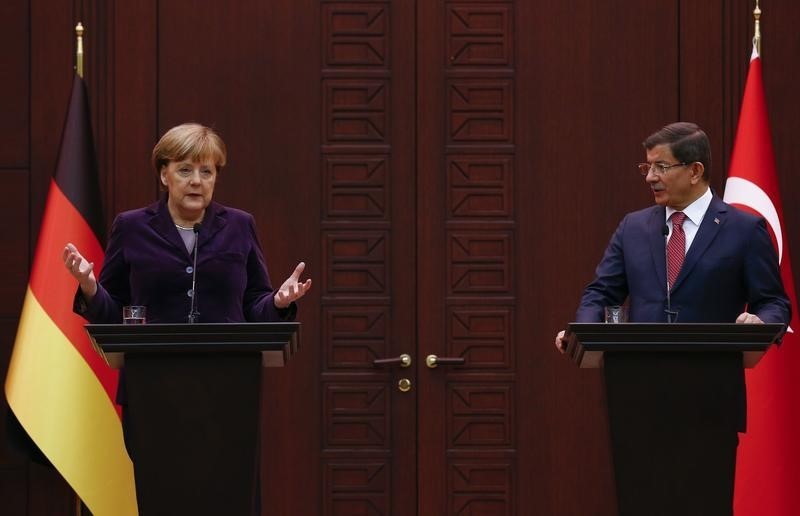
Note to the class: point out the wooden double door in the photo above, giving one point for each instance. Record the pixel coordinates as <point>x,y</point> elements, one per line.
<point>410,403</point>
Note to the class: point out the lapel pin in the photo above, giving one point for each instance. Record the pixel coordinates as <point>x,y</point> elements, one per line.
<point>716,220</point>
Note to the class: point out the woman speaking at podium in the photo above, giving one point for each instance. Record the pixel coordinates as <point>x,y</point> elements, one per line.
<point>150,259</point>
<point>190,422</point>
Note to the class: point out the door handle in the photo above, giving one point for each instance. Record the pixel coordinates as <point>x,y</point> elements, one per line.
<point>403,360</point>
<point>433,361</point>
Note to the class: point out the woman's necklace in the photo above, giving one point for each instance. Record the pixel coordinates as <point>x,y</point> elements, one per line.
<point>186,228</point>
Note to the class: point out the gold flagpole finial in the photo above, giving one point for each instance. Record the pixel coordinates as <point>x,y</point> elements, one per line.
<point>757,33</point>
<point>79,52</point>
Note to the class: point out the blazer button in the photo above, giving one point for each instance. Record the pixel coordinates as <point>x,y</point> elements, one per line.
<point>189,269</point>
<point>190,292</point>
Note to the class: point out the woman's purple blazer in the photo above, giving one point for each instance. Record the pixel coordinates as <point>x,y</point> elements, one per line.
<point>146,263</point>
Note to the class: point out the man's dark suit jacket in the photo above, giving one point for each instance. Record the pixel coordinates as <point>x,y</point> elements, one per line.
<point>730,266</point>
<point>146,263</point>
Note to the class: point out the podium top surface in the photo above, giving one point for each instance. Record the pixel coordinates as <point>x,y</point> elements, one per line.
<point>694,336</point>
<point>588,341</point>
<point>114,340</point>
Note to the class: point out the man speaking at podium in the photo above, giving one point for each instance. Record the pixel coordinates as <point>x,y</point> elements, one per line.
<point>691,258</point>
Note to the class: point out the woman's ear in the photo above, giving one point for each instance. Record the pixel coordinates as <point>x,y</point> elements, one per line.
<point>163,175</point>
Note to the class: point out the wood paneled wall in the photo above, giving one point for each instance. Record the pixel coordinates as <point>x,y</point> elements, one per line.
<point>596,77</point>
<point>35,77</point>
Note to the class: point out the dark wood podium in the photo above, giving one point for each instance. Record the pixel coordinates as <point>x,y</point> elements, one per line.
<point>588,342</point>
<point>191,400</point>
<point>676,400</point>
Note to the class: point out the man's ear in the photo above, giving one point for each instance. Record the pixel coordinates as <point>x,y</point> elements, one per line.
<point>697,170</point>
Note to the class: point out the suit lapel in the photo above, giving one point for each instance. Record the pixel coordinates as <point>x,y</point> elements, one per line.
<point>709,228</point>
<point>162,223</point>
<point>657,246</point>
<point>215,219</point>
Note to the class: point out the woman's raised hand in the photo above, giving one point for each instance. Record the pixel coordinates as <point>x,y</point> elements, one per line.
<point>292,289</point>
<point>81,269</point>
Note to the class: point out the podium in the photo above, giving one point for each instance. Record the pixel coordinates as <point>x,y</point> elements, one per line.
<point>676,401</point>
<point>587,342</point>
<point>191,409</point>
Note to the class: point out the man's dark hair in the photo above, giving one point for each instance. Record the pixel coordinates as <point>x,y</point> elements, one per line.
<point>687,142</point>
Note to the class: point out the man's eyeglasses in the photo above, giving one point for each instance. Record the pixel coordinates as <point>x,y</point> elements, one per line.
<point>658,169</point>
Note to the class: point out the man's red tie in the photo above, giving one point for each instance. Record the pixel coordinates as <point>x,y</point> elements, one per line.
<point>676,247</point>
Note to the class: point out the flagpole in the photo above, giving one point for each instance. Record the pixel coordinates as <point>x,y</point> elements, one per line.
<point>79,69</point>
<point>79,52</point>
<point>757,32</point>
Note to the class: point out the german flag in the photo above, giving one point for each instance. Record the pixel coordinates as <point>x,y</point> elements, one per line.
<point>58,387</point>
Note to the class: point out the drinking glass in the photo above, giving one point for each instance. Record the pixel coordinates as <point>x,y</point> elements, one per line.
<point>616,314</point>
<point>134,314</point>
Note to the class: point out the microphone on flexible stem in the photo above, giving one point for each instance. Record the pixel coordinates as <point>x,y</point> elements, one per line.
<point>193,313</point>
<point>672,315</point>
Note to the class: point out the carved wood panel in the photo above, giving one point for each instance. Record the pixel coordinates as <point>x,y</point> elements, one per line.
<point>356,186</point>
<point>356,415</point>
<point>479,262</point>
<point>479,35</point>
<point>480,110</point>
<point>355,335</point>
<point>481,415</point>
<point>363,232</point>
<point>472,175</point>
<point>358,487</point>
<point>355,35</point>
<point>356,262</point>
<point>483,335</point>
<point>480,186</point>
<point>355,110</point>
<point>481,487</point>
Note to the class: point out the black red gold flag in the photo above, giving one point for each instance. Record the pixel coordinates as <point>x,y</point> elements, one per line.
<point>58,387</point>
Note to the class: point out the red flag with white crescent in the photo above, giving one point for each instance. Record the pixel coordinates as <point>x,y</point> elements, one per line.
<point>768,463</point>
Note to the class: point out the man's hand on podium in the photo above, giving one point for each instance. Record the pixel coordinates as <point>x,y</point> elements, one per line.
<point>561,342</point>
<point>748,318</point>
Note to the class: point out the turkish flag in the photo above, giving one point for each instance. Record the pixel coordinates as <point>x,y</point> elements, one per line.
<point>768,464</point>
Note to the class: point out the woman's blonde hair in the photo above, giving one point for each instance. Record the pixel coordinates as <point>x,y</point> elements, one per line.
<point>193,142</point>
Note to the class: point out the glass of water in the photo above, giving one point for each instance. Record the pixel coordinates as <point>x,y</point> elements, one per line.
<point>616,314</point>
<point>134,314</point>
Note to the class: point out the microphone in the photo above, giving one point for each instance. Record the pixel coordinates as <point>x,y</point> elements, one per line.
<point>672,315</point>
<point>193,313</point>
